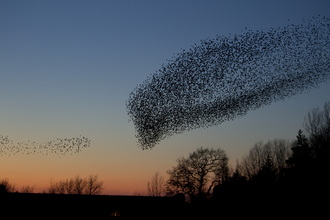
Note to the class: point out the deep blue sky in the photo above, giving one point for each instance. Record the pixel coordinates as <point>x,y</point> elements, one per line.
<point>67,68</point>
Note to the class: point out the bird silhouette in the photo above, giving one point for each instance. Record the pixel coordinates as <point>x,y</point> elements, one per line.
<point>224,78</point>
<point>58,146</point>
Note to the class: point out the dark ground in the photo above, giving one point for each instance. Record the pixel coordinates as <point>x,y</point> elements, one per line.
<point>258,206</point>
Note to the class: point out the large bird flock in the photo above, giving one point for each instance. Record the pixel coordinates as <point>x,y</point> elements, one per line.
<point>58,146</point>
<point>226,77</point>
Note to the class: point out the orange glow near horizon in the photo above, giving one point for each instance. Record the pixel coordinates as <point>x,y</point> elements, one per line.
<point>23,171</point>
<point>62,80</point>
<point>110,188</point>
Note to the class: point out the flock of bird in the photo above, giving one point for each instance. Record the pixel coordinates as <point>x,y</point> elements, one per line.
<point>58,146</point>
<point>224,78</point>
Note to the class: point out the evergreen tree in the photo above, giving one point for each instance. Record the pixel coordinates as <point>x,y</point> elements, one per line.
<point>302,152</point>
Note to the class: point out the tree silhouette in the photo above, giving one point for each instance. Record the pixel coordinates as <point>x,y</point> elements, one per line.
<point>199,173</point>
<point>27,189</point>
<point>77,185</point>
<point>6,186</point>
<point>317,124</point>
<point>156,187</point>
<point>225,78</point>
<point>93,186</point>
<point>302,153</point>
<point>314,160</point>
<point>267,175</point>
<point>266,159</point>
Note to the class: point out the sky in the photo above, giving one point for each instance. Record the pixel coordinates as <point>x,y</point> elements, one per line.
<point>67,68</point>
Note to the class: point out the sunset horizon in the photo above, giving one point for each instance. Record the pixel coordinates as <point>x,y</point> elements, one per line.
<point>69,67</point>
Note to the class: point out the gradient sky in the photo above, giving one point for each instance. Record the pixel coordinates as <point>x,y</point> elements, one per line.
<point>67,68</point>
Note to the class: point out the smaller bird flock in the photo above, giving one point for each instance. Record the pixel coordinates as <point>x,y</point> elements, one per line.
<point>224,78</point>
<point>58,146</point>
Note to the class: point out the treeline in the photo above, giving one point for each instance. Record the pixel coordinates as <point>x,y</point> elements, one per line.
<point>275,176</point>
<point>7,187</point>
<point>299,168</point>
<point>77,185</point>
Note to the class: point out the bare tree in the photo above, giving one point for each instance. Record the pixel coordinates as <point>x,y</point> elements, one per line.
<point>139,193</point>
<point>252,163</point>
<point>69,186</point>
<point>52,189</point>
<point>261,156</point>
<point>77,185</point>
<point>156,187</point>
<point>317,124</point>
<point>6,186</point>
<point>197,175</point>
<point>318,120</point>
<point>93,186</point>
<point>27,189</point>
<point>56,187</point>
<point>281,151</point>
<point>10,188</point>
